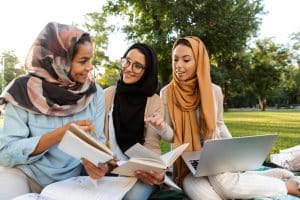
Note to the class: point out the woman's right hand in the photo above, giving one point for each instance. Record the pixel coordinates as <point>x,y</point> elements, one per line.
<point>55,136</point>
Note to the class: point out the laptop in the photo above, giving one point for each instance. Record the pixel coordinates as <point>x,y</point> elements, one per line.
<point>229,155</point>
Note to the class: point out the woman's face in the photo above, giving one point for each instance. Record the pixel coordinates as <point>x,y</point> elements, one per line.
<point>81,64</point>
<point>183,62</point>
<point>134,57</point>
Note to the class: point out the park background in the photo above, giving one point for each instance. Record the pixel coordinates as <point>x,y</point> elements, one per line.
<point>260,77</point>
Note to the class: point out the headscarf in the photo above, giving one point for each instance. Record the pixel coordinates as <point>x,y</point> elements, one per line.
<point>48,88</point>
<point>184,98</point>
<point>130,101</point>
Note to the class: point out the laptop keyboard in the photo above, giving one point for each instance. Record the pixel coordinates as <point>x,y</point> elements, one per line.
<point>194,163</point>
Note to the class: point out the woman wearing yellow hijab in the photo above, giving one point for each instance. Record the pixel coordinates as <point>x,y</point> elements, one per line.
<point>194,109</point>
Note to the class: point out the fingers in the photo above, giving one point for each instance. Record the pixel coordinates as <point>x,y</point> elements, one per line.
<point>150,178</point>
<point>155,120</point>
<point>95,172</point>
<point>86,124</point>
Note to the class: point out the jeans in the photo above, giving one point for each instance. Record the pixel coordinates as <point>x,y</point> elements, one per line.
<point>140,191</point>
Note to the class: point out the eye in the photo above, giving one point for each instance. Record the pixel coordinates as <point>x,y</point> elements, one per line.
<point>186,61</point>
<point>138,66</point>
<point>83,61</point>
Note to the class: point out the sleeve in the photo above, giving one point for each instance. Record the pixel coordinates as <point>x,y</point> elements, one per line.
<point>153,135</point>
<point>221,130</point>
<point>16,143</point>
<point>99,114</point>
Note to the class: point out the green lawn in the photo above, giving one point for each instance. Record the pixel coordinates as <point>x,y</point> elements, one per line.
<point>286,123</point>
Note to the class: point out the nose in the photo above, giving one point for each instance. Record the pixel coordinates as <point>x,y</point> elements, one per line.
<point>178,65</point>
<point>89,66</point>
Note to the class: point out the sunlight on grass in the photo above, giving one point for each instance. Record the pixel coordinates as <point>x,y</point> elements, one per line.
<point>286,123</point>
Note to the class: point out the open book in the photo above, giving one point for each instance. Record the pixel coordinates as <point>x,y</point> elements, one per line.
<point>144,159</point>
<point>81,144</point>
<point>78,188</point>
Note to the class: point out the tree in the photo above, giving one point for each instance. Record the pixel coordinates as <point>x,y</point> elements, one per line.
<point>111,74</point>
<point>224,26</point>
<point>295,37</point>
<point>10,68</point>
<point>268,62</point>
<point>95,24</point>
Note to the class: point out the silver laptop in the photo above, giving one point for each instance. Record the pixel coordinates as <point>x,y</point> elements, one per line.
<point>229,155</point>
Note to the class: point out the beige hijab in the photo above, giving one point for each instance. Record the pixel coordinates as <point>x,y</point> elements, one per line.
<point>184,97</point>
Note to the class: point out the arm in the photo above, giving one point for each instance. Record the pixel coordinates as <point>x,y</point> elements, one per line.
<point>17,144</point>
<point>153,130</point>
<point>221,129</point>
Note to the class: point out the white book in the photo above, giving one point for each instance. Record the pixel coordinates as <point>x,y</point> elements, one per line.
<point>144,159</point>
<point>80,144</point>
<point>81,187</point>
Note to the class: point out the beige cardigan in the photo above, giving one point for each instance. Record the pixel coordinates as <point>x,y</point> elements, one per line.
<point>221,130</point>
<point>152,135</point>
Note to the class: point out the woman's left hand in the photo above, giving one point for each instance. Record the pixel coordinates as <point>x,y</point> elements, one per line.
<point>95,172</point>
<point>150,178</point>
<point>156,120</point>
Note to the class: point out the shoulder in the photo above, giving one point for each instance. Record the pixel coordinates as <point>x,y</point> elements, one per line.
<point>216,88</point>
<point>217,91</point>
<point>163,93</point>
<point>99,92</point>
<point>110,90</point>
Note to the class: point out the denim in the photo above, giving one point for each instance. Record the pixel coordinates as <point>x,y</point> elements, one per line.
<point>22,131</point>
<point>140,191</point>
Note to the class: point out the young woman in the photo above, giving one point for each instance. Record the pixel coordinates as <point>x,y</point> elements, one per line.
<point>193,107</point>
<point>57,91</point>
<point>134,113</point>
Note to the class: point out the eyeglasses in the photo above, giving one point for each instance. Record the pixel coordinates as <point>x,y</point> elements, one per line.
<point>136,67</point>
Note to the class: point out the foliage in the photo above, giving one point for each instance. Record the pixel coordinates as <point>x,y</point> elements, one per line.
<point>268,62</point>
<point>159,23</point>
<point>95,24</point>
<point>295,37</point>
<point>111,75</point>
<point>11,71</point>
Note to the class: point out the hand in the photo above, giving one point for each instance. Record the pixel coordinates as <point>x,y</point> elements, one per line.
<point>156,120</point>
<point>85,125</point>
<point>152,178</point>
<point>95,172</point>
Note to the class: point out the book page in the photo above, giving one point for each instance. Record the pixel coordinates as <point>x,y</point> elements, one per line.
<point>81,187</point>
<point>78,148</point>
<point>127,168</point>
<point>32,196</point>
<point>88,138</point>
<point>139,151</point>
<point>170,157</point>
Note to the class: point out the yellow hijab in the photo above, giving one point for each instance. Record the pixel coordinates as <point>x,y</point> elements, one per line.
<point>184,97</point>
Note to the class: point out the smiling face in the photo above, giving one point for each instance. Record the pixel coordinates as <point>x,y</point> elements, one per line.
<point>135,56</point>
<point>183,62</point>
<point>81,64</point>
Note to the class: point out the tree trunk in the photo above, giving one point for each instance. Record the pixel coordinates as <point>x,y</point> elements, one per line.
<point>262,103</point>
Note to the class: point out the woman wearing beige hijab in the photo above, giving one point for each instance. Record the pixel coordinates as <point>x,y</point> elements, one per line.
<point>194,109</point>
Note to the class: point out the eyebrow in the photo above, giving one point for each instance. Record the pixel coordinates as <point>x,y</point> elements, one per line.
<point>134,61</point>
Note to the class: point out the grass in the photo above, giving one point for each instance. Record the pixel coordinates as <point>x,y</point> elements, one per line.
<point>286,123</point>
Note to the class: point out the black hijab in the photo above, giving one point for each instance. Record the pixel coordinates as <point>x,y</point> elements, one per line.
<point>130,101</point>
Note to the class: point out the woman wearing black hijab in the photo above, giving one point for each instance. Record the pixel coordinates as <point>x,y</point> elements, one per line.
<point>134,113</point>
